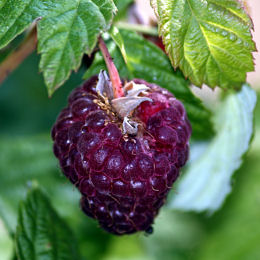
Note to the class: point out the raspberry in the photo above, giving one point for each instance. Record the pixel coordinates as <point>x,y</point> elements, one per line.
<point>123,163</point>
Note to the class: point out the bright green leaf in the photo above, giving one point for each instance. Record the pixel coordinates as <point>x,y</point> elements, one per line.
<point>69,31</point>
<point>207,181</point>
<point>210,40</point>
<point>145,60</point>
<point>41,233</point>
<point>17,15</point>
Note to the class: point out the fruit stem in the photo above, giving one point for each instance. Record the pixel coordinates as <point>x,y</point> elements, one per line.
<point>112,70</point>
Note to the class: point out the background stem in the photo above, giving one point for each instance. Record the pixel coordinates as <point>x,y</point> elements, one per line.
<point>14,59</point>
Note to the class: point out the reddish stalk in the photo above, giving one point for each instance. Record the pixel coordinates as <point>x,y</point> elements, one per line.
<point>112,70</point>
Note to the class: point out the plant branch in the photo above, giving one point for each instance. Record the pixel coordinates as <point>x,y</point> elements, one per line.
<point>14,59</point>
<point>112,70</point>
<point>138,28</point>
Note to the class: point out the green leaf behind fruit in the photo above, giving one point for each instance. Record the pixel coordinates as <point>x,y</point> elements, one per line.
<point>207,181</point>
<point>209,40</point>
<point>41,233</point>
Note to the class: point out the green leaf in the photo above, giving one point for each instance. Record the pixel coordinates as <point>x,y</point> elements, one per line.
<point>207,181</point>
<point>41,233</point>
<point>27,159</point>
<point>66,30</point>
<point>209,40</point>
<point>117,38</point>
<point>70,30</point>
<point>146,61</point>
<point>17,15</point>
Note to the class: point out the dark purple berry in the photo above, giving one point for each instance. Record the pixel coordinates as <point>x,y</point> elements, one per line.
<point>124,178</point>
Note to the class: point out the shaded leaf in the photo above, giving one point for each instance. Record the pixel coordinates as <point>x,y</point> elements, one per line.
<point>146,61</point>
<point>209,40</point>
<point>207,181</point>
<point>41,233</point>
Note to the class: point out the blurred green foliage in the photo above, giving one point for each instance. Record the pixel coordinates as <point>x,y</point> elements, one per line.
<point>25,108</point>
<point>26,117</point>
<point>122,8</point>
<point>6,245</point>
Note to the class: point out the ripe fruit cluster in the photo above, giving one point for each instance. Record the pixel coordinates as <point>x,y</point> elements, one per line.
<point>124,179</point>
